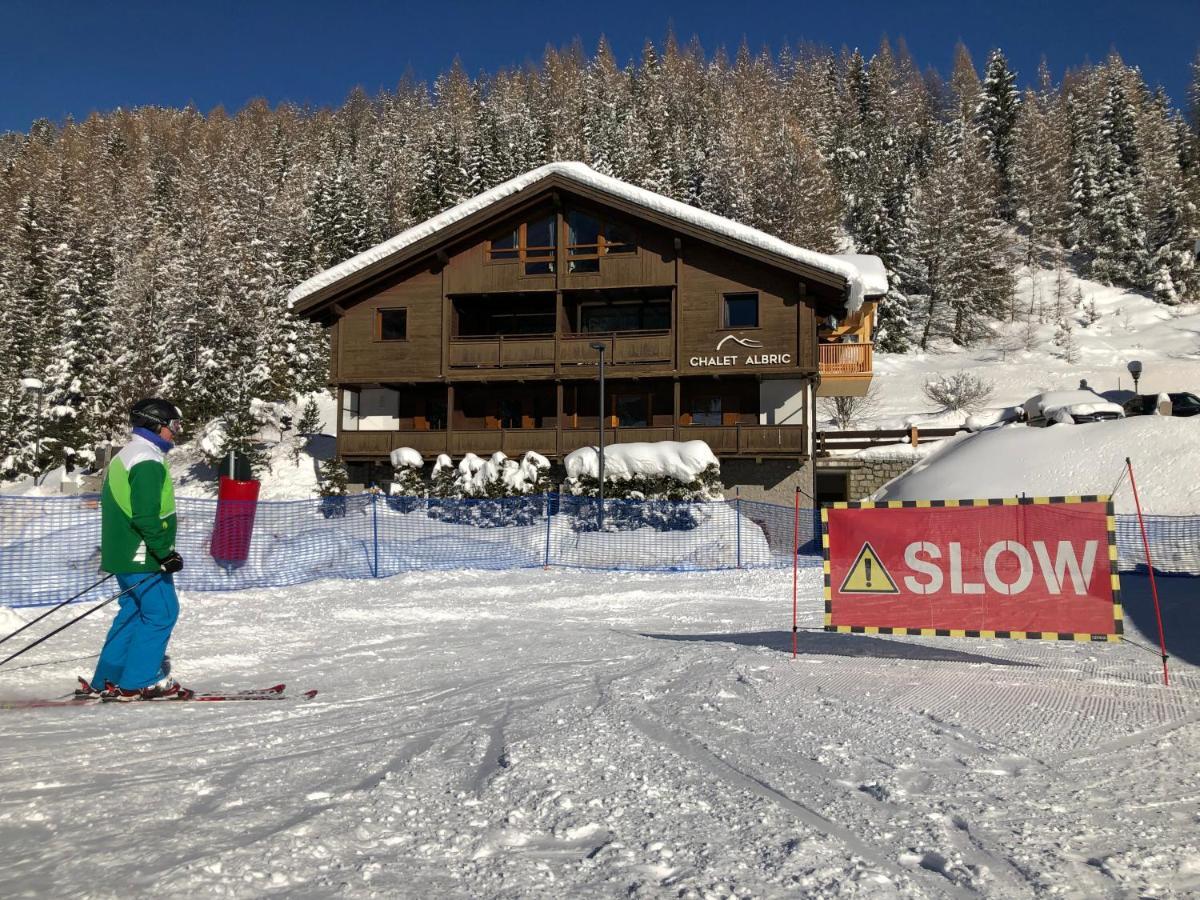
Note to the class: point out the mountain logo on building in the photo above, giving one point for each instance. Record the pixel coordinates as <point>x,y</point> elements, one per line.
<point>745,342</point>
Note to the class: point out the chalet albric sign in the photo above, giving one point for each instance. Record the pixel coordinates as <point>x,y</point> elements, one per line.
<point>723,357</point>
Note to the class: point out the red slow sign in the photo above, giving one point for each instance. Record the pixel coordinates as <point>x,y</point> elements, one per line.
<point>1000,568</point>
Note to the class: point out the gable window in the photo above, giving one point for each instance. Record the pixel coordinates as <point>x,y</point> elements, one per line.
<point>530,243</point>
<point>391,324</point>
<point>590,237</point>
<point>739,311</point>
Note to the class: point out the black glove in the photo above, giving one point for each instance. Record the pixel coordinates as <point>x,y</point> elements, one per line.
<point>171,563</point>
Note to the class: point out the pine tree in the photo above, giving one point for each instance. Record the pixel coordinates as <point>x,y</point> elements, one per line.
<point>997,112</point>
<point>1119,222</point>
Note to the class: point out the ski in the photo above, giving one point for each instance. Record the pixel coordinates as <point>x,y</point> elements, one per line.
<point>275,692</point>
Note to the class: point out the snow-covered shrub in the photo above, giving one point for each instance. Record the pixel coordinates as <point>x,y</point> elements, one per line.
<point>959,390</point>
<point>488,492</point>
<point>442,485</point>
<point>652,484</point>
<point>407,490</point>
<point>333,485</point>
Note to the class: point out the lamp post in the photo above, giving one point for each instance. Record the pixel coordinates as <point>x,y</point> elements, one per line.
<point>1135,369</point>
<point>599,348</point>
<point>33,385</point>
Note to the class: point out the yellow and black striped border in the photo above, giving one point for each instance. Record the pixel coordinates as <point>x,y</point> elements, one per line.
<point>1110,519</point>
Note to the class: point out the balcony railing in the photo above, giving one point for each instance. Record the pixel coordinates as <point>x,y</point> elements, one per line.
<point>845,359</point>
<point>620,347</point>
<point>727,440</point>
<point>527,350</point>
<point>500,350</point>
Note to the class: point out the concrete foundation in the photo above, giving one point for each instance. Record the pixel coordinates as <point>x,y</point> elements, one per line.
<point>769,480</point>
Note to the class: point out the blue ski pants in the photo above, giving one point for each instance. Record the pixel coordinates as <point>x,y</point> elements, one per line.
<point>133,652</point>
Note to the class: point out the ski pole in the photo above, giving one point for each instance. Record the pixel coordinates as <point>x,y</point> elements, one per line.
<point>58,607</point>
<point>69,624</point>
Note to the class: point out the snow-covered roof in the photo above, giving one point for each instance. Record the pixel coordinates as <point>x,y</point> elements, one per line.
<point>864,275</point>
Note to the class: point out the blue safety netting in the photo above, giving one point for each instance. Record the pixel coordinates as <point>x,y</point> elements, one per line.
<point>50,547</point>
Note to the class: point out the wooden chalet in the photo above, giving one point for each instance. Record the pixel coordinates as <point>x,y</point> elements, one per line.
<point>474,331</point>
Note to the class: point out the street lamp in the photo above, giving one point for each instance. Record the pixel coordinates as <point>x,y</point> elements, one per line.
<point>33,385</point>
<point>600,348</point>
<point>1135,369</point>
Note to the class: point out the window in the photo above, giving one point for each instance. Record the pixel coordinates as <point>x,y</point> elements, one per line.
<point>653,316</point>
<point>532,243</point>
<point>370,409</point>
<point>589,238</point>
<point>741,311</point>
<point>391,325</point>
<point>706,410</point>
<point>631,410</point>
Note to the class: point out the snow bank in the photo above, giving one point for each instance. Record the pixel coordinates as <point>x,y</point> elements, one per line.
<point>864,274</point>
<point>1041,462</point>
<point>680,460</point>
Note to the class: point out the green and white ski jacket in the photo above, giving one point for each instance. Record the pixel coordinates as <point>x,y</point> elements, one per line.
<point>137,510</point>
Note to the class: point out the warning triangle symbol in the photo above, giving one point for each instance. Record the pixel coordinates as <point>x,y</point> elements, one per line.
<point>868,575</point>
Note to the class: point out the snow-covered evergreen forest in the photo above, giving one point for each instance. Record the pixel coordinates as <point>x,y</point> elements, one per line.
<point>148,251</point>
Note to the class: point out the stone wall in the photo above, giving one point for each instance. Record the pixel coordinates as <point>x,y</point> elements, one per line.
<point>865,476</point>
<point>769,480</point>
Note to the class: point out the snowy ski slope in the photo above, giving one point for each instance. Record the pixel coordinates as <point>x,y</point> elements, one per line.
<point>566,734</point>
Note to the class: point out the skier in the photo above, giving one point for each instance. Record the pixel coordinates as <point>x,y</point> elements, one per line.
<point>137,544</point>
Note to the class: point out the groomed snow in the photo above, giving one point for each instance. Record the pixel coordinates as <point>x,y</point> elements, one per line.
<point>863,276</point>
<point>1065,460</point>
<point>594,735</point>
<point>680,460</point>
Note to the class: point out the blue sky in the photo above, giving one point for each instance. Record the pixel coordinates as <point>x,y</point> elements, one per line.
<point>61,58</point>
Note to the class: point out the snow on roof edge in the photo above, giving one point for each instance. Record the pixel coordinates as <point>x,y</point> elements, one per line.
<point>863,273</point>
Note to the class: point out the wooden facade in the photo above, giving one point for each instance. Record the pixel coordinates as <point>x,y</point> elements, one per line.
<point>481,337</point>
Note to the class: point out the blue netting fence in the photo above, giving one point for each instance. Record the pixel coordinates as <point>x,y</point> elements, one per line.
<point>50,547</point>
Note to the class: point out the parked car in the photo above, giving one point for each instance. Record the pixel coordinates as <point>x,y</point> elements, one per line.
<point>1182,404</point>
<point>1070,407</point>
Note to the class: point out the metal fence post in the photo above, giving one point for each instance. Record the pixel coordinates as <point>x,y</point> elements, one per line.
<point>546,564</point>
<point>375,534</point>
<point>737,506</point>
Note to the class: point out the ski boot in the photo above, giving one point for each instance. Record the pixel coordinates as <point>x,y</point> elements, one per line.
<point>85,691</point>
<point>167,689</point>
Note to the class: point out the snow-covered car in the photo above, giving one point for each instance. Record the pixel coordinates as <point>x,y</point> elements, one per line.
<point>1070,407</point>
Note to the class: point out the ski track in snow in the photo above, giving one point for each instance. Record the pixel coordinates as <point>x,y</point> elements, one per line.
<point>585,734</point>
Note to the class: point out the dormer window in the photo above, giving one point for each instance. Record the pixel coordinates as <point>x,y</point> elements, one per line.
<point>530,243</point>
<point>590,237</point>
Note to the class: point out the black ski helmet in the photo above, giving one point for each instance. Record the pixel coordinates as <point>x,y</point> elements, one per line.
<point>155,413</point>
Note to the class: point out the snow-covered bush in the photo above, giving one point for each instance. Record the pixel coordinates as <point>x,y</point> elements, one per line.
<point>408,489</point>
<point>652,484</point>
<point>444,476</point>
<point>489,492</point>
<point>334,483</point>
<point>959,390</point>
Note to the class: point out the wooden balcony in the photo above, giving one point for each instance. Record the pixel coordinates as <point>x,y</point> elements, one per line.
<point>788,441</point>
<point>621,348</point>
<point>521,351</point>
<point>500,351</point>
<point>845,369</point>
